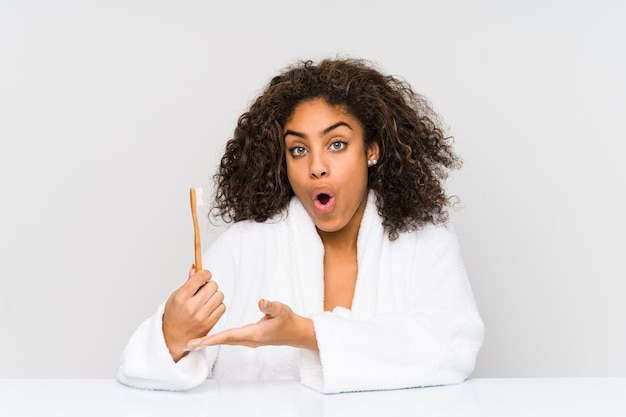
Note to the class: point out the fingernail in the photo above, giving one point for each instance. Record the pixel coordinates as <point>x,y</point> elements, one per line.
<point>266,304</point>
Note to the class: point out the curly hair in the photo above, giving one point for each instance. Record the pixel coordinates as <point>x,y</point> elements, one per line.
<point>415,154</point>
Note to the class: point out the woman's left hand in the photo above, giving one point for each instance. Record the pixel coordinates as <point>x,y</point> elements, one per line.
<point>279,326</point>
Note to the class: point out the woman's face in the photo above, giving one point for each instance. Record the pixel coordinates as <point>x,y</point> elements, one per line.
<point>327,163</point>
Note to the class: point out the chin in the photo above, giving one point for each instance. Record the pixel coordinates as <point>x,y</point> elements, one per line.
<point>329,227</point>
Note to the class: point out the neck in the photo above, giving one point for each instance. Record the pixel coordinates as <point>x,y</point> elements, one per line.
<point>338,240</point>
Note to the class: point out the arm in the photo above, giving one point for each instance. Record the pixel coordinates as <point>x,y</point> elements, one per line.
<point>391,351</point>
<point>146,362</point>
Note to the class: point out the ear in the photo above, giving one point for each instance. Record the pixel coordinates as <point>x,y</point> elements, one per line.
<point>373,151</point>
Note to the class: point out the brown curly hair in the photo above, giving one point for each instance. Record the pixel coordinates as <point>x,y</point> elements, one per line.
<point>415,154</point>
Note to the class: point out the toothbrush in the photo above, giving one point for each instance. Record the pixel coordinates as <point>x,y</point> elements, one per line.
<point>195,196</point>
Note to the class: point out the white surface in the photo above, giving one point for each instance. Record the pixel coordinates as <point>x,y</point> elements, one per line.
<point>479,397</point>
<point>111,110</point>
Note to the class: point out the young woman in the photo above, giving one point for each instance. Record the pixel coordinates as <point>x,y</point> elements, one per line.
<point>340,267</point>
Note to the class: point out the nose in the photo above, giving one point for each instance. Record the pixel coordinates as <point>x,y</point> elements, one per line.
<point>319,167</point>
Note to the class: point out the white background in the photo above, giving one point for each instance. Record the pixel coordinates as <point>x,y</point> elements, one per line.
<point>111,110</point>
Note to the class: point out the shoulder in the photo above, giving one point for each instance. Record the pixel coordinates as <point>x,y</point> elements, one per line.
<point>430,239</point>
<point>430,233</point>
<point>251,231</point>
<point>243,241</point>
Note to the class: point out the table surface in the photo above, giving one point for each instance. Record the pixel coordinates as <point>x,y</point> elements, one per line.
<point>508,397</point>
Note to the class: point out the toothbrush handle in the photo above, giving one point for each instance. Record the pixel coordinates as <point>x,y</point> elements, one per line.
<point>196,230</point>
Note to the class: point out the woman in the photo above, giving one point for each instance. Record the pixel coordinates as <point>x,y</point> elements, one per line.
<point>334,184</point>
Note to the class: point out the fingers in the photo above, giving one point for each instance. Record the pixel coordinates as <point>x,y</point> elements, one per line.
<point>208,299</point>
<point>200,294</point>
<point>195,282</point>
<point>211,340</point>
<point>243,336</point>
<point>216,314</point>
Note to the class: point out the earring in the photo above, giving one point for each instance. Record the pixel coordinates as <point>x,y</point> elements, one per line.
<point>372,162</point>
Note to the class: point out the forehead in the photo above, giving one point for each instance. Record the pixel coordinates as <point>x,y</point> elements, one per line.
<point>316,112</point>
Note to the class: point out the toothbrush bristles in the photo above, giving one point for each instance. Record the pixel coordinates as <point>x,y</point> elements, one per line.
<point>199,197</point>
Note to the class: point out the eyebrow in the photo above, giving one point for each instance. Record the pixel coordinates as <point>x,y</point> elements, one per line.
<point>324,132</point>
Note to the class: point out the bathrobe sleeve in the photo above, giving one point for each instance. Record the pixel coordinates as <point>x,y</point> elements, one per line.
<point>432,339</point>
<point>146,361</point>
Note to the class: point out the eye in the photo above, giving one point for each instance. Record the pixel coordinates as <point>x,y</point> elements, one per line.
<point>297,150</point>
<point>338,145</point>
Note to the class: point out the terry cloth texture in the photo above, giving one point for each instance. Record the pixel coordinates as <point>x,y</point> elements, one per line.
<point>413,320</point>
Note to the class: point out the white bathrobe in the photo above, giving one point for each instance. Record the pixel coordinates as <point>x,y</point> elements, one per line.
<point>413,320</point>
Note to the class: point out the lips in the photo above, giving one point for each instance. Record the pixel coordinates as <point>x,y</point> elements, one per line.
<point>323,200</point>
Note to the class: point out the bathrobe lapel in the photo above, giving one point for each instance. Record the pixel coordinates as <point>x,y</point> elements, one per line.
<point>370,248</point>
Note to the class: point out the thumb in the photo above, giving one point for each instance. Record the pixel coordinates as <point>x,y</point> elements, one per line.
<point>192,271</point>
<point>267,307</point>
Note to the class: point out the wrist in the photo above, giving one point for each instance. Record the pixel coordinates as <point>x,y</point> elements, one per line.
<point>308,338</point>
<point>176,349</point>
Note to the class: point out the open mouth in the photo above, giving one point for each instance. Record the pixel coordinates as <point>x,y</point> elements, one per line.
<point>324,202</point>
<point>323,198</point>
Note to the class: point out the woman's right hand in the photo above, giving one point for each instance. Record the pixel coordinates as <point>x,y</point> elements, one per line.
<point>191,311</point>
